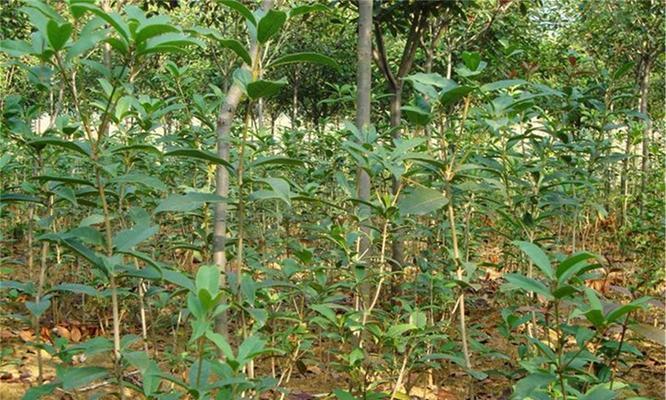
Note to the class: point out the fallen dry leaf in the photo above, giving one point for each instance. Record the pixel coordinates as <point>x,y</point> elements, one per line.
<point>26,335</point>
<point>75,334</point>
<point>62,331</point>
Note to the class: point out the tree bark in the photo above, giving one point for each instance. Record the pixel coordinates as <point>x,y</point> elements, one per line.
<point>223,130</point>
<point>395,83</point>
<point>645,160</point>
<point>363,103</point>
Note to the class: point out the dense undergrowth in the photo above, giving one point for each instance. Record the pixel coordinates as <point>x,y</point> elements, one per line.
<point>162,240</point>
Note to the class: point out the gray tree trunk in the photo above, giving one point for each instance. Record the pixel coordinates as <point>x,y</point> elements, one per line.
<point>644,92</point>
<point>224,123</point>
<point>363,103</point>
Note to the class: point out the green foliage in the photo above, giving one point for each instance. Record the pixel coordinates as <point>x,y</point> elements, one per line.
<point>519,142</point>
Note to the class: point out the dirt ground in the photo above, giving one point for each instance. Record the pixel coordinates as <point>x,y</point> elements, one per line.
<point>18,368</point>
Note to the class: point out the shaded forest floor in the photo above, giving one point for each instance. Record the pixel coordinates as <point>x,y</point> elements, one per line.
<point>18,370</point>
<point>646,374</point>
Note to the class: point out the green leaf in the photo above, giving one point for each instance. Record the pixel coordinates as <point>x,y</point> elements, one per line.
<point>522,282</point>
<point>471,60</point>
<point>325,310</point>
<point>619,312</point>
<point>419,319</point>
<point>421,200</point>
<point>595,314</point>
<point>187,202</point>
<point>178,278</point>
<point>264,88</point>
<point>152,29</point>
<point>416,115</point>
<point>15,48</point>
<point>221,344</point>
<point>304,57</point>
<point>75,288</point>
<point>66,193</point>
<point>18,197</point>
<point>72,377</point>
<point>306,9</point>
<point>236,46</point>
<point>83,251</point>
<point>63,179</point>
<point>599,392</point>
<point>38,308</point>
<point>538,257</point>
<point>397,330</point>
<point>169,42</point>
<point>199,155</point>
<point>343,395</point>
<point>82,148</point>
<point>241,9</point>
<point>528,385</point>
<point>58,34</point>
<point>450,96</point>
<point>145,180</point>
<point>275,160</point>
<point>571,266</point>
<point>281,189</point>
<point>503,84</point>
<point>269,25</point>
<point>112,18</point>
<point>37,392</point>
<point>250,348</point>
<point>128,238</point>
<point>431,79</point>
<point>208,279</point>
<point>143,148</point>
<point>248,289</point>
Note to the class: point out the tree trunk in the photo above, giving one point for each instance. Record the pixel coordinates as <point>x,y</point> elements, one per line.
<point>397,245</point>
<point>645,161</point>
<point>223,130</point>
<point>363,99</point>
<point>294,103</point>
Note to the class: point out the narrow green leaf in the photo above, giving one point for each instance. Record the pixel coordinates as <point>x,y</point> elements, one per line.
<point>221,344</point>
<point>304,57</point>
<point>187,202</point>
<point>81,148</point>
<point>112,18</point>
<point>269,25</point>
<point>275,160</point>
<point>538,257</point>
<point>128,238</point>
<point>421,200</point>
<point>18,197</point>
<point>503,84</point>
<point>152,29</point>
<point>73,377</point>
<point>15,48</point>
<point>531,383</point>
<point>264,88</point>
<point>236,46</point>
<point>325,310</point>
<point>599,392</point>
<point>571,266</point>
<point>241,9</point>
<point>75,288</point>
<point>37,392</point>
<point>199,155</point>
<point>522,282</point>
